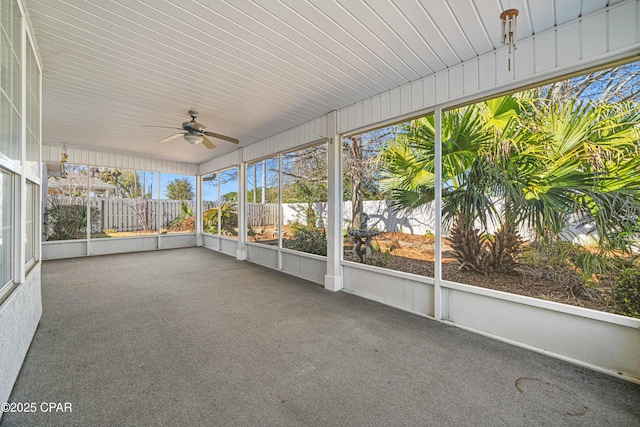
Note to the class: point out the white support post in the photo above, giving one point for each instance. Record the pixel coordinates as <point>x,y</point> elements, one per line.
<point>263,198</point>
<point>20,212</point>
<point>241,253</point>
<point>219,205</point>
<point>333,278</point>
<point>437,291</point>
<point>255,183</point>
<point>280,211</point>
<point>88,208</point>
<point>198,211</point>
<point>159,213</point>
<point>20,187</point>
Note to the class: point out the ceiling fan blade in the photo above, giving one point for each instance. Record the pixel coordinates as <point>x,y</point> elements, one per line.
<point>172,137</point>
<point>225,138</point>
<point>207,143</point>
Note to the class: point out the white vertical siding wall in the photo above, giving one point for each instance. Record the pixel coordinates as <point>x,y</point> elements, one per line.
<point>110,160</point>
<point>306,133</point>
<point>223,162</point>
<point>601,37</point>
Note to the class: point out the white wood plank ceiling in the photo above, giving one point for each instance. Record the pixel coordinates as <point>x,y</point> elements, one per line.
<point>252,68</point>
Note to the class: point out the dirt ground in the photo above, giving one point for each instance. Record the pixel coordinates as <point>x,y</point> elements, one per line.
<point>414,254</point>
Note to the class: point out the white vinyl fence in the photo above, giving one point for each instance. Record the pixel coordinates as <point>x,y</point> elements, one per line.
<point>140,214</point>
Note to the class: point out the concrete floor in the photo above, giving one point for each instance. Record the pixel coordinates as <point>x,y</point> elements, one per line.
<point>191,337</point>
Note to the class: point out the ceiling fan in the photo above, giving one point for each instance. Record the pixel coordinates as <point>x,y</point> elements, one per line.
<point>195,133</point>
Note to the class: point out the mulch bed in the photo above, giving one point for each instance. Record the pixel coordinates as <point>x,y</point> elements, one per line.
<point>414,254</point>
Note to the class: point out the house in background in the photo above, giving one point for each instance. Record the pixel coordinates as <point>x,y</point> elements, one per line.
<point>74,184</point>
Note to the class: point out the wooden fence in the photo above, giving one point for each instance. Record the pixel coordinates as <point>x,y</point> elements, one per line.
<point>137,214</point>
<point>141,214</point>
<point>258,214</point>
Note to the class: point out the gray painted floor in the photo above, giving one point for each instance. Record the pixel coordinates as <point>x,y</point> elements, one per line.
<point>191,337</point>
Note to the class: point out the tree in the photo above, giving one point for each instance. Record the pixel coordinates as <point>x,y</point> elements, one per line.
<point>180,189</point>
<point>361,168</point>
<point>304,175</point>
<point>589,156</point>
<point>231,196</point>
<point>546,161</point>
<point>228,216</point>
<point>271,195</point>
<point>308,165</point>
<point>618,84</point>
<point>127,183</point>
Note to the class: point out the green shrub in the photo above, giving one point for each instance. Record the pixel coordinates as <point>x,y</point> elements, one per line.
<point>307,238</point>
<point>228,219</point>
<point>68,222</point>
<point>625,295</point>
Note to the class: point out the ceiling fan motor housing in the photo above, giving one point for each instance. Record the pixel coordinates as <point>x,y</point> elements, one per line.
<point>193,126</point>
<point>195,133</point>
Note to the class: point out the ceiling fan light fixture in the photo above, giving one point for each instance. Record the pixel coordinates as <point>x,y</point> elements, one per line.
<point>193,139</point>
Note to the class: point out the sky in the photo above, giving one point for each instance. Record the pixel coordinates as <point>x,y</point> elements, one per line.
<point>149,180</point>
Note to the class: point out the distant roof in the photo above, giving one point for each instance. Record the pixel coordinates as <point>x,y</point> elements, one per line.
<point>78,181</point>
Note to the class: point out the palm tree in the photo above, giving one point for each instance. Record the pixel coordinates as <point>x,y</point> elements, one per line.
<point>228,219</point>
<point>473,146</point>
<point>546,162</point>
<point>581,160</point>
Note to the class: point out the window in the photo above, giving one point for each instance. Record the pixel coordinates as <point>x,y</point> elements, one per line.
<point>229,203</point>
<point>32,226</point>
<point>262,201</point>
<point>210,196</point>
<point>539,192</point>
<point>10,81</point>
<point>32,114</point>
<point>65,216</point>
<point>304,200</point>
<point>6,233</point>
<point>178,202</point>
<point>121,201</point>
<point>386,224</point>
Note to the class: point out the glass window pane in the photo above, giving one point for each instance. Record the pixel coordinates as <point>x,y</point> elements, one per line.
<point>210,195</point>
<point>541,192</point>
<point>388,198</point>
<point>65,216</point>
<point>10,81</point>
<point>6,233</point>
<point>178,203</point>
<point>32,114</point>
<point>262,201</point>
<point>229,203</point>
<point>121,202</point>
<point>10,130</point>
<point>32,228</point>
<point>304,200</point>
